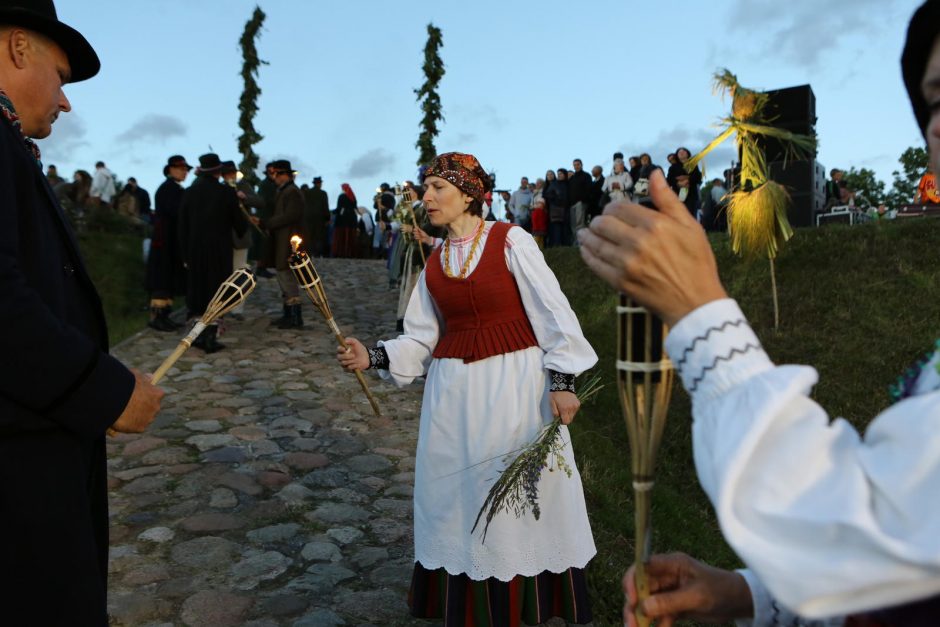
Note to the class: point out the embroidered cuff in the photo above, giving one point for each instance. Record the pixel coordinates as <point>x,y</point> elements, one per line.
<point>378,358</point>
<point>561,382</point>
<point>713,348</point>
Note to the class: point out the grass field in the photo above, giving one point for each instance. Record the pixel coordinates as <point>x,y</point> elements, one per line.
<point>115,262</point>
<point>858,303</point>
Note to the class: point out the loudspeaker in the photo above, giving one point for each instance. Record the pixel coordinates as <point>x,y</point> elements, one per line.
<point>792,109</point>
<point>806,182</point>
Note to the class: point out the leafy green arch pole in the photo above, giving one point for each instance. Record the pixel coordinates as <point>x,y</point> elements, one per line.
<point>427,95</point>
<point>248,104</point>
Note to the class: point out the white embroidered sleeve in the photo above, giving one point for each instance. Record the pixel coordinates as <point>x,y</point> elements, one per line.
<point>830,522</point>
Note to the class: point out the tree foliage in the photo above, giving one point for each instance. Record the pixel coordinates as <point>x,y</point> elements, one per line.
<point>913,165</point>
<point>248,104</point>
<point>430,100</point>
<point>869,191</point>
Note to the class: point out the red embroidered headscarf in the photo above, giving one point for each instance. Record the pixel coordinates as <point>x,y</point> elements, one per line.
<point>463,171</point>
<point>349,192</point>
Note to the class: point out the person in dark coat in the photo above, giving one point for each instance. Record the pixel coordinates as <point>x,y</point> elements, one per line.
<point>317,219</point>
<point>261,250</point>
<point>557,197</point>
<point>685,184</point>
<point>346,223</point>
<point>60,390</point>
<point>285,222</point>
<point>209,214</point>
<point>166,275</point>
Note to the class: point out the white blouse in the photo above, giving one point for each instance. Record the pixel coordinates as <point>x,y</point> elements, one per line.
<point>831,522</point>
<point>555,324</point>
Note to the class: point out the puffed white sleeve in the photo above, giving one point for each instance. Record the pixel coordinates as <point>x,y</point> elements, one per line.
<point>409,355</point>
<point>831,522</point>
<point>555,324</point>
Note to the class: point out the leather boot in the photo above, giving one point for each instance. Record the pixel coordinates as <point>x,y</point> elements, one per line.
<point>165,312</point>
<point>210,343</point>
<point>294,319</point>
<point>158,321</point>
<point>284,319</point>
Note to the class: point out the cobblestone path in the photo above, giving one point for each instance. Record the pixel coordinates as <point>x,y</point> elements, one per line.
<point>266,492</point>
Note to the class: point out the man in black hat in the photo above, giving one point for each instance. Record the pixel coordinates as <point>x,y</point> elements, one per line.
<point>209,215</point>
<point>285,222</point>
<point>60,390</point>
<point>317,219</point>
<point>166,275</point>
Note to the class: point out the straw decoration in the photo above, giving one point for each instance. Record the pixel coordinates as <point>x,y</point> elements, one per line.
<point>309,280</point>
<point>644,379</point>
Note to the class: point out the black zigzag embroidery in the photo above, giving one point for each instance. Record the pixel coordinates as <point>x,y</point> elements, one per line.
<point>734,351</point>
<point>702,338</point>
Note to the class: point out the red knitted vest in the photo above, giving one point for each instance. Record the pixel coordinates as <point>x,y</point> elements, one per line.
<point>483,314</point>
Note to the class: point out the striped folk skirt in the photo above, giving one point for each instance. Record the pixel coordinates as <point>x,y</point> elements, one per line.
<point>463,602</point>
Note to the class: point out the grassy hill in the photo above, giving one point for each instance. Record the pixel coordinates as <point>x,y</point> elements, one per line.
<point>115,263</point>
<point>858,303</point>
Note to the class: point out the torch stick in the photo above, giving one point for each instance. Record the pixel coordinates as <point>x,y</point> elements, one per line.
<point>248,217</point>
<point>644,379</point>
<point>233,291</point>
<point>309,280</point>
<point>406,198</point>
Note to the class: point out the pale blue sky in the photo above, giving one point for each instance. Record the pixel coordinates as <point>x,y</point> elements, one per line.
<point>529,85</point>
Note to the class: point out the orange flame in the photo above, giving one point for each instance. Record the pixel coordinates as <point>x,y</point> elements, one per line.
<point>295,243</point>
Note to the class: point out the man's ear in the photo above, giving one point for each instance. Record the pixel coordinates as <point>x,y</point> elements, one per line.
<point>19,45</point>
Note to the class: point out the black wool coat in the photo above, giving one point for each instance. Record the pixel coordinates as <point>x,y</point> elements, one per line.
<point>166,275</point>
<point>59,392</point>
<point>209,214</point>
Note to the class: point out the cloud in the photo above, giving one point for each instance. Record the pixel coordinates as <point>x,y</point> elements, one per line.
<point>68,134</point>
<point>802,32</point>
<point>153,127</point>
<point>371,164</point>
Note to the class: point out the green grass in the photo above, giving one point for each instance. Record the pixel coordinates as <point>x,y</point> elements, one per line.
<point>115,262</point>
<point>858,303</point>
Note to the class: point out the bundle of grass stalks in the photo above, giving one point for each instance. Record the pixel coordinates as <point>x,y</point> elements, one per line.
<point>757,220</point>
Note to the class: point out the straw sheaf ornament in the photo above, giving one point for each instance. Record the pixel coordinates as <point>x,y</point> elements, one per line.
<point>645,377</point>
<point>308,279</point>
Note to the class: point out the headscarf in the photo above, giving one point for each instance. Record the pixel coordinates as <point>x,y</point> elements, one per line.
<point>463,171</point>
<point>349,192</point>
<point>921,37</point>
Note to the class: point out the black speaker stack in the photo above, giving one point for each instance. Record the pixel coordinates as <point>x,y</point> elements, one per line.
<point>794,109</point>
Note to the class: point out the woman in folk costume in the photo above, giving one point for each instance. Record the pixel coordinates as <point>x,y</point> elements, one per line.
<point>499,343</point>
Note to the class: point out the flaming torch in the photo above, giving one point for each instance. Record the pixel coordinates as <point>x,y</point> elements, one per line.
<point>407,201</point>
<point>233,291</point>
<point>644,379</point>
<point>310,281</point>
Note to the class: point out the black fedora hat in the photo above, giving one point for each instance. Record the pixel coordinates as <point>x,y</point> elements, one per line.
<point>40,16</point>
<point>209,162</point>
<point>282,166</point>
<point>174,161</point>
<point>228,167</point>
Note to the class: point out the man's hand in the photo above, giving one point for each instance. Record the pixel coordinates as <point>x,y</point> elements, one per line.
<point>142,407</point>
<point>355,357</point>
<point>564,405</point>
<point>685,588</point>
<point>255,220</point>
<point>661,258</point>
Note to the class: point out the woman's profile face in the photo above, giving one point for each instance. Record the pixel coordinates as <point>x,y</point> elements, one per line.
<point>443,201</point>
